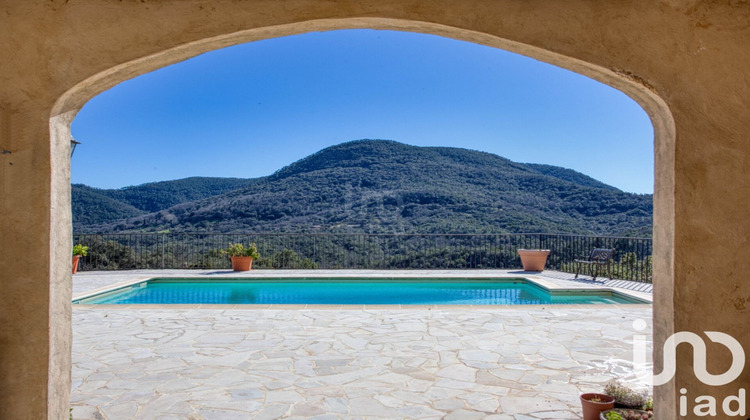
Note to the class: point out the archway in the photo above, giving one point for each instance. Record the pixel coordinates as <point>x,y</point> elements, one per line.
<point>657,110</point>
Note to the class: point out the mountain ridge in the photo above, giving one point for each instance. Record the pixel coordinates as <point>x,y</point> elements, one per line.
<point>383,186</point>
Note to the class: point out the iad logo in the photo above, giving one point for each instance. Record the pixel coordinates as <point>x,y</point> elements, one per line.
<point>705,405</point>
<point>699,356</point>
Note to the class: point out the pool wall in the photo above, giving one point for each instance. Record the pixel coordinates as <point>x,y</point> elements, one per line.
<point>537,282</point>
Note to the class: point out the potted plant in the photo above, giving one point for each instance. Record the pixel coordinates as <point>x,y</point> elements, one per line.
<point>626,414</point>
<point>594,404</point>
<point>241,256</point>
<point>533,259</point>
<point>78,252</point>
<point>629,404</point>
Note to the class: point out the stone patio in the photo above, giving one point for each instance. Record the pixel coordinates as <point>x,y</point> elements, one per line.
<point>426,362</point>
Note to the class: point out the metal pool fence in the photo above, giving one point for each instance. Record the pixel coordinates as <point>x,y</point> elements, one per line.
<point>632,258</point>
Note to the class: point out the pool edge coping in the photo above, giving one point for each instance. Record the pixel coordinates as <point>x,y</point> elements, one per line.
<point>531,278</point>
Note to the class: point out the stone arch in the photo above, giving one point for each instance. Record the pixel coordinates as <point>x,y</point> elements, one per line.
<point>73,100</point>
<point>680,62</point>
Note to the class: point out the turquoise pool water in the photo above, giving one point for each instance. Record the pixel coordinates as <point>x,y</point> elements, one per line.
<point>347,291</point>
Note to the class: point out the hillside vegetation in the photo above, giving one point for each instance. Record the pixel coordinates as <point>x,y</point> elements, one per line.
<point>93,205</point>
<point>375,186</point>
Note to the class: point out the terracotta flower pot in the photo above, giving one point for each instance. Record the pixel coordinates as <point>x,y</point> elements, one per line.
<point>533,259</point>
<point>592,409</point>
<point>242,263</point>
<point>76,258</point>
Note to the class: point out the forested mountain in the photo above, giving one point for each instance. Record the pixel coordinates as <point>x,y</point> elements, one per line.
<point>94,205</point>
<point>383,186</point>
<point>566,174</point>
<point>91,206</point>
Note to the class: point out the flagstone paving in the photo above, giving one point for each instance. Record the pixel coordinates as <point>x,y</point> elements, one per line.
<point>509,362</point>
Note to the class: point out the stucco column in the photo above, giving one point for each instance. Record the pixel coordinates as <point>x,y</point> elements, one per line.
<point>35,332</point>
<point>711,286</point>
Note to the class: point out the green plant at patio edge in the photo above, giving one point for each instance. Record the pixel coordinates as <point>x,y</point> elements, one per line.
<point>239,250</point>
<point>81,250</point>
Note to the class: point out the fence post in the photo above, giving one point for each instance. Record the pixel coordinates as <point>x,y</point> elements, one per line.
<point>162,250</point>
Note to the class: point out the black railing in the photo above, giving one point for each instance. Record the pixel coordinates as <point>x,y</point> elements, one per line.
<point>632,258</point>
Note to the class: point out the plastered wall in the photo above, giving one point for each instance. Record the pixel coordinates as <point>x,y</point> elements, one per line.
<point>685,62</point>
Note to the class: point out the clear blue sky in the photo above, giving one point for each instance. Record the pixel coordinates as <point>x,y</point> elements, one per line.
<point>248,110</point>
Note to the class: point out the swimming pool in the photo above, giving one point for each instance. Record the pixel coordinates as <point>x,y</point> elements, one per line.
<point>356,291</point>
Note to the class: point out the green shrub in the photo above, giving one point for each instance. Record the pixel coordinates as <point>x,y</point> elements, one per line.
<point>81,250</point>
<point>239,250</point>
